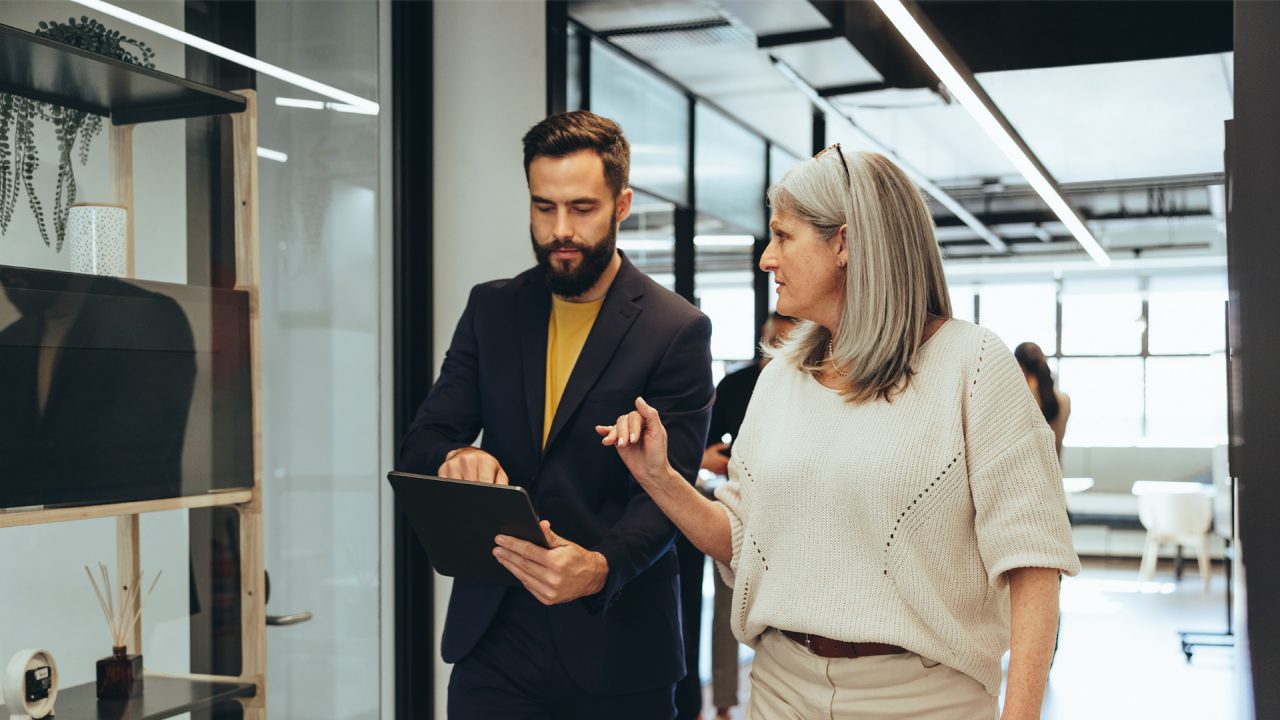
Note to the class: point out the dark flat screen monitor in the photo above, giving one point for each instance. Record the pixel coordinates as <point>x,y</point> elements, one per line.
<point>114,390</point>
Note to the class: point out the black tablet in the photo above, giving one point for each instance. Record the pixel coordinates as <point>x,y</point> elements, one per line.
<point>457,520</point>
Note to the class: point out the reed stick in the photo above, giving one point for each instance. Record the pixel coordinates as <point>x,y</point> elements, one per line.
<point>121,607</point>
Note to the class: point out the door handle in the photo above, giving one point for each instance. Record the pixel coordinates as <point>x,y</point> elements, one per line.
<point>293,619</point>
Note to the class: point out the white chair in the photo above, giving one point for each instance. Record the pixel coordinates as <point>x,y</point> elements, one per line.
<point>1175,518</point>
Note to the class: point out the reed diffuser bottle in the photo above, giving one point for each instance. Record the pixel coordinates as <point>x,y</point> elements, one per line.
<point>120,675</point>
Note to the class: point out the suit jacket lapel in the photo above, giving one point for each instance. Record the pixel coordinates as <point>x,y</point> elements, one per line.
<point>617,314</point>
<point>534,313</point>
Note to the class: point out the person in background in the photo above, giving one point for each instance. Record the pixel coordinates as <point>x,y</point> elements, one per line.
<point>1055,404</point>
<point>732,396</point>
<point>894,519</point>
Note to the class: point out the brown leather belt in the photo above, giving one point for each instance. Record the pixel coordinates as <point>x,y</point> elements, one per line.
<point>828,648</point>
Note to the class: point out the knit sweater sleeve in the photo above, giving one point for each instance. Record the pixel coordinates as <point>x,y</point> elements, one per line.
<point>729,498</point>
<point>1014,475</point>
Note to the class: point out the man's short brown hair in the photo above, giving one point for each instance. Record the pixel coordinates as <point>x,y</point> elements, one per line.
<point>571,132</point>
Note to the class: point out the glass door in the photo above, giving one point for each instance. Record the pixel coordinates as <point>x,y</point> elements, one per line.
<point>319,174</point>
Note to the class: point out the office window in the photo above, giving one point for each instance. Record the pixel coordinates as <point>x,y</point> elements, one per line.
<point>1106,399</point>
<point>1020,313</point>
<point>1187,400</point>
<point>1174,393</point>
<point>962,301</point>
<point>1187,314</point>
<point>1101,316</point>
<point>653,114</point>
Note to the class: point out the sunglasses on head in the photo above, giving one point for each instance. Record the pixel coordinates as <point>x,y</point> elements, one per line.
<point>836,146</point>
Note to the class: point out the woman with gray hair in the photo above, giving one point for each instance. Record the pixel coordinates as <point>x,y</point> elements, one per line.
<point>894,519</point>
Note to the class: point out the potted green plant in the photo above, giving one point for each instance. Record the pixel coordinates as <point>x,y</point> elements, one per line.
<point>74,129</point>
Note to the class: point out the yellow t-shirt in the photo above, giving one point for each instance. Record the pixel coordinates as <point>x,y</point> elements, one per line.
<point>566,334</point>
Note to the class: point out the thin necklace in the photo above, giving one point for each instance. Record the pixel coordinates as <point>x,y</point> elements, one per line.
<point>831,351</point>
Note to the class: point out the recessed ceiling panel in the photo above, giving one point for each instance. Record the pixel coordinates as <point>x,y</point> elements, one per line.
<point>939,140</point>
<point>828,63</point>
<point>783,116</point>
<point>610,15</point>
<point>770,17</point>
<point>740,79</point>
<point>1149,118</point>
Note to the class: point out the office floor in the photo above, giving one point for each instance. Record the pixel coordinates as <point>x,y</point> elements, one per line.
<point>1119,655</point>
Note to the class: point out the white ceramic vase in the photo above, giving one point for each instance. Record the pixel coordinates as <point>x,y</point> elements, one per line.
<point>97,236</point>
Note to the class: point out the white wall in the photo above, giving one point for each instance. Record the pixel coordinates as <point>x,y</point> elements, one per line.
<point>56,609</point>
<point>1115,469</point>
<point>490,87</point>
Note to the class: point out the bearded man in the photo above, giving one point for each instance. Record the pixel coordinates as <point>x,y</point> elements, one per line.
<point>536,363</point>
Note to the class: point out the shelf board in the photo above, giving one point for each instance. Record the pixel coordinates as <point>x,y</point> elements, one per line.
<point>162,697</point>
<point>38,516</point>
<point>54,72</point>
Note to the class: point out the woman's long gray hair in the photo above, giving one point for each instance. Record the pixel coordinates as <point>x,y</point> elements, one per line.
<point>894,280</point>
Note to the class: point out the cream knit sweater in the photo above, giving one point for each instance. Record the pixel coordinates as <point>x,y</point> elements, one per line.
<point>894,521</point>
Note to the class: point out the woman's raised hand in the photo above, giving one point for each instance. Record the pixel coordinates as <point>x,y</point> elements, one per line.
<point>641,441</point>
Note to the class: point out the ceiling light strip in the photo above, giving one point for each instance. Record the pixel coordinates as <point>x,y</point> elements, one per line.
<point>368,106</point>
<point>916,176</point>
<point>992,123</point>
<point>268,154</point>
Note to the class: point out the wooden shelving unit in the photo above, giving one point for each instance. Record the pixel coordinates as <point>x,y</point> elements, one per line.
<point>164,697</point>
<point>49,71</point>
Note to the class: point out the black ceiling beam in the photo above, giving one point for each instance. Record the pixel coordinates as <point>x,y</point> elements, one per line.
<point>797,37</point>
<point>995,35</point>
<point>708,24</point>
<point>879,42</point>
<point>854,89</point>
<point>1019,217</point>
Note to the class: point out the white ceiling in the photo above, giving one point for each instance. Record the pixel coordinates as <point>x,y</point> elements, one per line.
<point>1092,123</point>
<point>939,140</point>
<point>1144,119</point>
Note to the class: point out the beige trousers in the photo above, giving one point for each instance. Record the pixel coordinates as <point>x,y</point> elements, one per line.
<point>790,683</point>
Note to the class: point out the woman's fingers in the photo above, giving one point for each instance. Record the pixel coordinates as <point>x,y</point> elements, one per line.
<point>646,410</point>
<point>629,428</point>
<point>637,427</point>
<point>624,430</point>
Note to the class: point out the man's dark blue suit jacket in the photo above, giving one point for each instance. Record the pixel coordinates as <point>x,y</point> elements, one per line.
<point>647,342</point>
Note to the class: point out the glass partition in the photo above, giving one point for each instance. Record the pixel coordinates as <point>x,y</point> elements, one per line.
<point>648,238</point>
<point>723,286</point>
<point>653,114</point>
<point>780,161</point>
<point>729,170</point>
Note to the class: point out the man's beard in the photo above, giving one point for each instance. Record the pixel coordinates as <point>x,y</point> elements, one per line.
<point>594,260</point>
